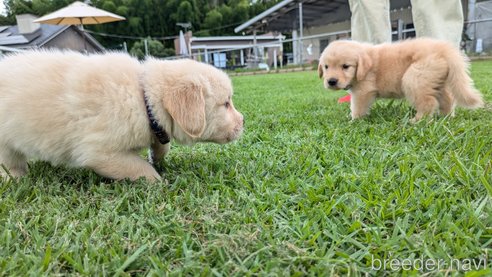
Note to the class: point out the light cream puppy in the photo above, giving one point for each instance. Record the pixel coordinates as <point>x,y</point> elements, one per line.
<point>431,74</point>
<point>90,111</point>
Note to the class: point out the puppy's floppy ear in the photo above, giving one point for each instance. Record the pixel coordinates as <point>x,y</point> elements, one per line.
<point>320,70</point>
<point>186,105</point>
<point>363,65</point>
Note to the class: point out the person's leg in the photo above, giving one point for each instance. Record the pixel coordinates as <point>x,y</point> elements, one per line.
<point>440,19</point>
<point>370,20</point>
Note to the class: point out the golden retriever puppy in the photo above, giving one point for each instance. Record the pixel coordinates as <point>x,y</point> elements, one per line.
<point>99,111</point>
<point>431,74</point>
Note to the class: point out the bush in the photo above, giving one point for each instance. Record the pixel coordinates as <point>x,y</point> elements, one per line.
<point>155,47</point>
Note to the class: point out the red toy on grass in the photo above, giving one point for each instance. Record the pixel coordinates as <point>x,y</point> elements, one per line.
<point>344,99</point>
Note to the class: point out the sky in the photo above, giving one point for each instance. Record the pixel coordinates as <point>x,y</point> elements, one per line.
<point>2,8</point>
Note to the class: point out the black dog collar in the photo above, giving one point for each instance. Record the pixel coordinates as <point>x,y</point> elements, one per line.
<point>160,133</point>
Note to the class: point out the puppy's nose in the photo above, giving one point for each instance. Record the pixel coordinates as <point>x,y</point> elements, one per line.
<point>332,82</point>
<point>243,120</point>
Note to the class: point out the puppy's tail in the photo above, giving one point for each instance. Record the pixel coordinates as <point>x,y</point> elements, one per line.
<point>460,83</point>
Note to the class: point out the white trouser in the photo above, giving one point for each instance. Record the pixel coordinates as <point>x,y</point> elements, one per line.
<point>441,19</point>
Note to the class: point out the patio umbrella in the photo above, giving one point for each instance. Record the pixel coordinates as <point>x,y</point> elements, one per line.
<point>183,50</point>
<point>79,13</point>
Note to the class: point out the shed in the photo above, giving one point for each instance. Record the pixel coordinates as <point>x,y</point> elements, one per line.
<point>29,35</point>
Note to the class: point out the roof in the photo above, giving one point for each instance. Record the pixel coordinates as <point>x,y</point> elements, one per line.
<point>10,36</point>
<point>234,42</point>
<point>284,16</point>
<point>229,38</point>
<point>9,49</point>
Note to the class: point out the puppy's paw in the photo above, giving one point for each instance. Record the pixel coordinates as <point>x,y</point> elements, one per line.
<point>416,120</point>
<point>356,116</point>
<point>12,173</point>
<point>157,152</point>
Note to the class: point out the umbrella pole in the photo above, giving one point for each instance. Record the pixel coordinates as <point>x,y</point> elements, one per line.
<point>83,33</point>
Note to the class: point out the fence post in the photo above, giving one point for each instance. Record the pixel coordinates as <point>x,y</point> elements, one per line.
<point>275,59</point>
<point>146,47</point>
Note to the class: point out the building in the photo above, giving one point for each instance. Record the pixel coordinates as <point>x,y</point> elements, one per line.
<point>233,51</point>
<point>314,23</point>
<point>30,35</point>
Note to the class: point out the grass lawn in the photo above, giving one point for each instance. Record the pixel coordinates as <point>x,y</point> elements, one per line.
<point>304,191</point>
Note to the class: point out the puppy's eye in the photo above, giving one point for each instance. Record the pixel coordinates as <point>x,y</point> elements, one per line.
<point>345,66</point>
<point>326,66</point>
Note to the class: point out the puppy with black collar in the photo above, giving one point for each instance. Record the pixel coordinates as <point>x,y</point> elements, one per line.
<point>99,111</point>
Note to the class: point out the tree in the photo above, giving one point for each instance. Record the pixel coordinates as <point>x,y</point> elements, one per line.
<point>15,7</point>
<point>185,12</point>
<point>241,12</point>
<point>212,22</point>
<point>4,20</point>
<point>155,48</point>
<point>152,18</point>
